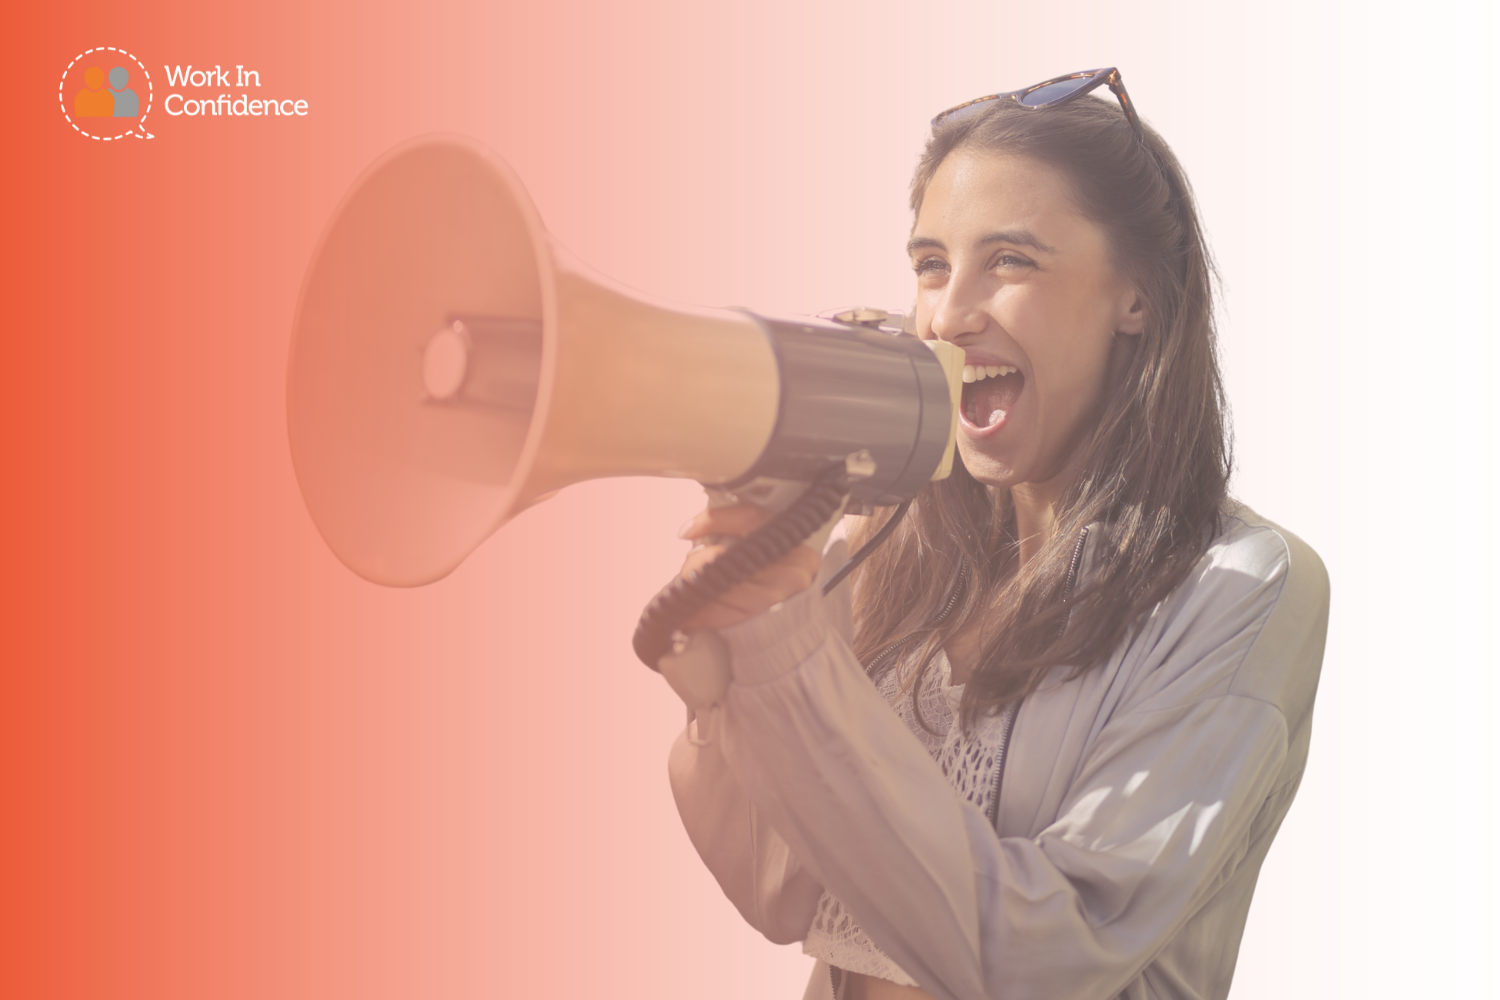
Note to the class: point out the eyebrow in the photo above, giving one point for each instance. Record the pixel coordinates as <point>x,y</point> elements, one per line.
<point>1020,237</point>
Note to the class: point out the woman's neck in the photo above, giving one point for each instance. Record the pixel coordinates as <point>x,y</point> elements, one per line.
<point>1035,505</point>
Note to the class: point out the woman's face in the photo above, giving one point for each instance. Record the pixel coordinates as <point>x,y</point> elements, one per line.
<point>1009,270</point>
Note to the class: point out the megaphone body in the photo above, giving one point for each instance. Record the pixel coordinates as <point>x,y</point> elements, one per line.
<point>450,364</point>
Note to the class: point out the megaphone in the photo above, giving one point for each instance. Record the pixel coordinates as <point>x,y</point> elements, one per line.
<point>450,364</point>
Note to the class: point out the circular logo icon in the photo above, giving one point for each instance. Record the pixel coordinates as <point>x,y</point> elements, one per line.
<point>105,94</point>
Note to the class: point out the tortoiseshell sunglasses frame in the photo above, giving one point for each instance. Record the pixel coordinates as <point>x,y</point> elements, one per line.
<point>1108,76</point>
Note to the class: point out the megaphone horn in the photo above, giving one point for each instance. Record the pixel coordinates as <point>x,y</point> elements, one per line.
<point>450,364</point>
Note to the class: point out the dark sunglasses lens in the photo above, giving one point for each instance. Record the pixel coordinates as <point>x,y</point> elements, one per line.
<point>1055,91</point>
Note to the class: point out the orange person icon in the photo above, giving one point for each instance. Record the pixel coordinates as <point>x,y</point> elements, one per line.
<point>94,101</point>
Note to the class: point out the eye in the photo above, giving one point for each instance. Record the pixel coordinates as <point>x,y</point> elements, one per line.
<point>1011,260</point>
<point>929,265</point>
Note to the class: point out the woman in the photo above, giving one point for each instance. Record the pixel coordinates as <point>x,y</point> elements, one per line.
<point>1050,754</point>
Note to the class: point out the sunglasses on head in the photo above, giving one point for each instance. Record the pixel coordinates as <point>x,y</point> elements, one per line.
<point>1050,93</point>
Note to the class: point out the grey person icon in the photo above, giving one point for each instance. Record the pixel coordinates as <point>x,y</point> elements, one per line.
<point>127,104</point>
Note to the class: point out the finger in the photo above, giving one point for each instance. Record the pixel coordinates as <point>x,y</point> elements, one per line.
<point>701,556</point>
<point>803,558</point>
<point>714,616</point>
<point>800,562</point>
<point>743,603</point>
<point>737,519</point>
<point>772,585</point>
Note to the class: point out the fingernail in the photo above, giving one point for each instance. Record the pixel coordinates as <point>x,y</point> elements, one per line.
<point>682,532</point>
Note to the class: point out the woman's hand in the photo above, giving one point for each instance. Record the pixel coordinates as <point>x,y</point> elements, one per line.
<point>789,575</point>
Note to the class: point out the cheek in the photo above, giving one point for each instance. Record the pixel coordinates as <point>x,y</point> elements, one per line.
<point>1069,358</point>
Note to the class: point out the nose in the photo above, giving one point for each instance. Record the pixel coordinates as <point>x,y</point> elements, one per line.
<point>959,312</point>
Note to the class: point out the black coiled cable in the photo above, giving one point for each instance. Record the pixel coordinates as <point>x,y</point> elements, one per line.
<point>686,596</point>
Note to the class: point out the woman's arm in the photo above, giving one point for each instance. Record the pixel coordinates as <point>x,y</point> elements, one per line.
<point>1161,810</point>
<point>750,860</point>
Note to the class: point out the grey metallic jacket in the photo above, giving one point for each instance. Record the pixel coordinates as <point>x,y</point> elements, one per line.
<point>1137,803</point>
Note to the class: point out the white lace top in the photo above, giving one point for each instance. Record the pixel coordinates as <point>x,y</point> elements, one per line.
<point>969,764</point>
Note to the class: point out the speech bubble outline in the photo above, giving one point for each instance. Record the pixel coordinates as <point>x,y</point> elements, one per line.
<point>140,122</point>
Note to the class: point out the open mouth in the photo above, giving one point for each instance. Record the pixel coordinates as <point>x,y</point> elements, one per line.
<point>990,391</point>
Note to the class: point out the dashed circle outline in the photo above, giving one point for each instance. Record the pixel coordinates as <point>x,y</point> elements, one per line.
<point>140,122</point>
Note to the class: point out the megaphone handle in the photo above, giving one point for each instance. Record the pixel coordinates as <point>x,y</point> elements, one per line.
<point>686,596</point>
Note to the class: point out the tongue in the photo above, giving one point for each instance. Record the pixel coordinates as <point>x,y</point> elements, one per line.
<point>987,401</point>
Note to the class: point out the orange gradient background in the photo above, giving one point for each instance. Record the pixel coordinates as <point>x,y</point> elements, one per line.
<point>234,770</point>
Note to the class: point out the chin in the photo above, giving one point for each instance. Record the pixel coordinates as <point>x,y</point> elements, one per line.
<point>992,472</point>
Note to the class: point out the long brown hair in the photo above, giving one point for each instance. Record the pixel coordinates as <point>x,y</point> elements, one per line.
<point>1155,472</point>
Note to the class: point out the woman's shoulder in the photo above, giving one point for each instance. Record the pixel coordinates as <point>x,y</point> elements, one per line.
<point>1248,621</point>
<point>1261,549</point>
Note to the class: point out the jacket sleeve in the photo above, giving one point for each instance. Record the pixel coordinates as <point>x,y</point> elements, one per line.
<point>751,862</point>
<point>1159,813</point>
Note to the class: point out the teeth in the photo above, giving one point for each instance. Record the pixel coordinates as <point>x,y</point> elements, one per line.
<point>973,373</point>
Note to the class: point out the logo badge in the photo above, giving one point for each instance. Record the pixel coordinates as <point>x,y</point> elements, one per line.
<point>106,94</point>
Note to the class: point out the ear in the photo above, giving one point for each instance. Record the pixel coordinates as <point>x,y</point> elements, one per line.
<point>1131,318</point>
